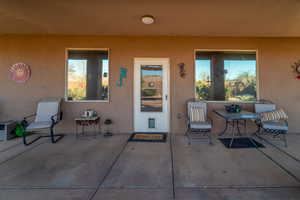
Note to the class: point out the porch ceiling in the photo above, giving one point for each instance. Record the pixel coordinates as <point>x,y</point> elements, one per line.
<point>256,18</point>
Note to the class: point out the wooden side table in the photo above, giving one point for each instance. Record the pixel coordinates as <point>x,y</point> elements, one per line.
<point>86,122</point>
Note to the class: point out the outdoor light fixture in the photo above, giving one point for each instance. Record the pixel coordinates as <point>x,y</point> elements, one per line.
<point>182,71</point>
<point>148,19</point>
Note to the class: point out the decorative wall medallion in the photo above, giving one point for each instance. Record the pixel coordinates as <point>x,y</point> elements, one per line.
<point>296,67</point>
<point>20,72</point>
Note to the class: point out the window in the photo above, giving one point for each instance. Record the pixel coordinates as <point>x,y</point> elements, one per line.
<point>225,76</point>
<point>87,75</point>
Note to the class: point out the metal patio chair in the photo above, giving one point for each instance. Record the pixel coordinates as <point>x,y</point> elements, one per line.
<point>277,128</point>
<point>199,124</point>
<point>47,116</point>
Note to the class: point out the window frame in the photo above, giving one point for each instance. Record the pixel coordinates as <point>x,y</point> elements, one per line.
<point>232,50</point>
<point>66,75</point>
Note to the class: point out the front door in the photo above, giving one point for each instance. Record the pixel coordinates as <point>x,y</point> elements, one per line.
<point>151,95</point>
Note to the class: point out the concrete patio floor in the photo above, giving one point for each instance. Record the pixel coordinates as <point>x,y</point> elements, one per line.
<point>112,168</point>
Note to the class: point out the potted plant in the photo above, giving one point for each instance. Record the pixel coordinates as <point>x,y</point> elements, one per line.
<point>107,124</point>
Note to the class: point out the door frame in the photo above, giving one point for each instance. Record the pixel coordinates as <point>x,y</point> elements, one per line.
<point>167,74</point>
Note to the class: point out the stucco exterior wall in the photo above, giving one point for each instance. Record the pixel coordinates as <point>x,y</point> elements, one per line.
<point>46,56</point>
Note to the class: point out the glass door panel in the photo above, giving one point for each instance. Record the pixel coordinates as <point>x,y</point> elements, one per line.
<point>151,88</point>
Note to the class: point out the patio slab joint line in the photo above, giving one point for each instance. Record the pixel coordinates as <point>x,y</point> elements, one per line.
<point>279,149</point>
<point>279,165</point>
<point>19,154</point>
<point>108,171</point>
<point>46,188</point>
<point>241,187</point>
<point>10,147</point>
<point>172,165</point>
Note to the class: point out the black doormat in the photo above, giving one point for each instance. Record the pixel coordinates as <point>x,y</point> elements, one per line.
<point>148,137</point>
<point>239,143</point>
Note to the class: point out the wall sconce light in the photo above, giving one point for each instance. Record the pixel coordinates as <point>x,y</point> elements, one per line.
<point>182,71</point>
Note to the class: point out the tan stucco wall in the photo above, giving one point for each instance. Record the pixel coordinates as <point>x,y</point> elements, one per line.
<point>46,56</point>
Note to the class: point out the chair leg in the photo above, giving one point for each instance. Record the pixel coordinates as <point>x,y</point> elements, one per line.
<point>210,138</point>
<point>258,132</point>
<point>26,143</point>
<point>24,139</point>
<point>52,135</point>
<point>284,140</point>
<point>187,134</point>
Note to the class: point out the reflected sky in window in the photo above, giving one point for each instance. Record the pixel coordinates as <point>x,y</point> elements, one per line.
<point>234,68</point>
<point>78,67</point>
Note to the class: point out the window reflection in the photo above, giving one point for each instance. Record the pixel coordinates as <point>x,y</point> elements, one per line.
<point>87,75</point>
<point>227,76</point>
<point>151,88</point>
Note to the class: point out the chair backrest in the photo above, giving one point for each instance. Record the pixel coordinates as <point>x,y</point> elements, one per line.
<point>46,109</point>
<point>264,107</point>
<point>196,104</point>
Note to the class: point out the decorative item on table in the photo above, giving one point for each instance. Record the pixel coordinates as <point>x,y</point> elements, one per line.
<point>182,71</point>
<point>89,113</point>
<point>296,67</point>
<point>233,108</point>
<point>108,123</point>
<point>20,72</point>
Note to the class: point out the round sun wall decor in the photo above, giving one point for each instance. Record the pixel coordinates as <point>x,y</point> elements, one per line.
<point>20,72</point>
<point>296,67</point>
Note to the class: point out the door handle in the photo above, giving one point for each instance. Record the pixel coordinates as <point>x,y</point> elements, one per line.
<point>166,96</point>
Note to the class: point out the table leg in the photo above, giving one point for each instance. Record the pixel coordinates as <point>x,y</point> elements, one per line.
<point>99,127</point>
<point>251,135</point>
<point>76,127</point>
<point>233,129</point>
<point>95,129</point>
<point>82,130</point>
<point>238,128</point>
<point>225,129</point>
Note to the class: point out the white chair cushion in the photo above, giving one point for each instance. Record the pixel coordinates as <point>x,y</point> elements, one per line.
<point>39,125</point>
<point>197,114</point>
<point>46,109</point>
<point>274,115</point>
<point>275,125</point>
<point>197,104</point>
<point>201,125</point>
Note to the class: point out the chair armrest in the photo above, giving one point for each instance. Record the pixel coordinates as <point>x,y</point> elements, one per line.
<point>24,122</point>
<point>29,116</point>
<point>187,119</point>
<point>58,118</point>
<point>210,119</point>
<point>257,121</point>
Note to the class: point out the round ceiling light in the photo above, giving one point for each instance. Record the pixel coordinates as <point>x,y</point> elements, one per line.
<point>148,19</point>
